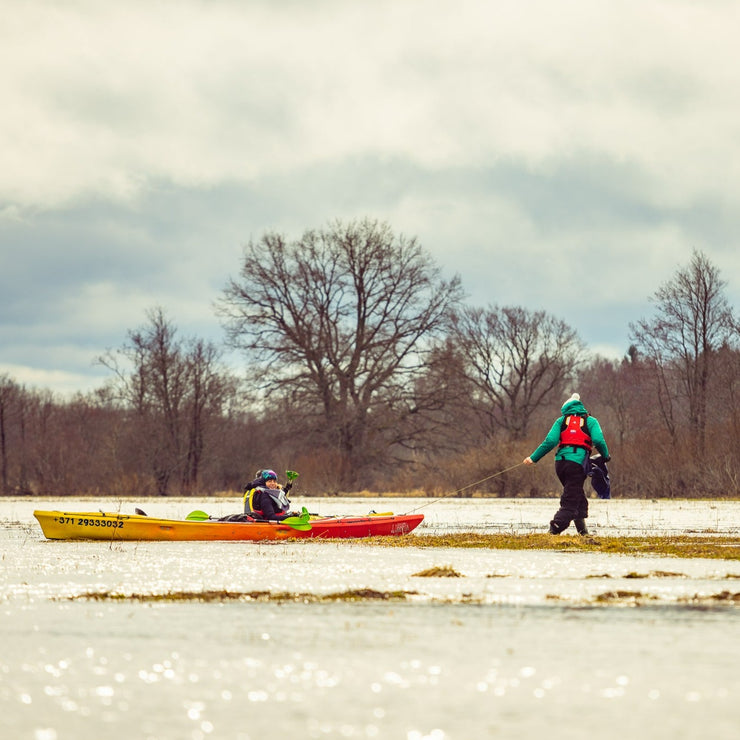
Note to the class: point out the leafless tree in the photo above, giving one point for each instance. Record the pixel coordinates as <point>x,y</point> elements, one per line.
<point>516,360</point>
<point>8,402</point>
<point>174,390</point>
<point>693,321</point>
<point>338,322</point>
<point>209,393</point>
<point>16,435</point>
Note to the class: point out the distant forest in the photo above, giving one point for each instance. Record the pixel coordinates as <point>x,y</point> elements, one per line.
<point>364,370</point>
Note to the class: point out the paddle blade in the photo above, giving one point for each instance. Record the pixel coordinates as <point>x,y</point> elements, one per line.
<point>299,522</point>
<point>197,516</point>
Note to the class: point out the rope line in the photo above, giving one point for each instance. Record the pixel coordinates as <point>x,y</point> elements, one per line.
<point>470,485</point>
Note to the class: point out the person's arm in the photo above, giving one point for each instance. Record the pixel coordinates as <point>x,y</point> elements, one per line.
<point>551,440</point>
<point>597,437</point>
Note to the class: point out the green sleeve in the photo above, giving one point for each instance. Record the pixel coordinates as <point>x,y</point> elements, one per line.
<point>551,440</point>
<point>597,436</point>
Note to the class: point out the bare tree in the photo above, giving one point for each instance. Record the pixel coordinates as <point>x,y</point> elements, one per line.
<point>516,361</point>
<point>16,404</point>
<point>175,389</point>
<point>8,402</point>
<point>693,321</point>
<point>209,391</point>
<point>338,322</point>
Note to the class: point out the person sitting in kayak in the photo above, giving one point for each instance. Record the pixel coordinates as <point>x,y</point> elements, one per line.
<point>266,499</point>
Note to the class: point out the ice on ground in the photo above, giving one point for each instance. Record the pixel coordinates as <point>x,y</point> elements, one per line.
<point>519,645</point>
<point>35,567</point>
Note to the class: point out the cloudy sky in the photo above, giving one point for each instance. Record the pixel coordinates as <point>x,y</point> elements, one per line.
<point>561,156</point>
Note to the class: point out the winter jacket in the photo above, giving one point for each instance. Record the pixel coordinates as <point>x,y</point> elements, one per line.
<point>267,503</point>
<point>569,452</point>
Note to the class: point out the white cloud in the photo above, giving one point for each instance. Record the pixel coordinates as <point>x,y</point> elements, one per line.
<point>65,384</point>
<point>105,98</point>
<point>530,146</point>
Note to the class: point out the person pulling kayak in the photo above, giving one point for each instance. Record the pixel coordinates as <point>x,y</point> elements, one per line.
<point>575,433</point>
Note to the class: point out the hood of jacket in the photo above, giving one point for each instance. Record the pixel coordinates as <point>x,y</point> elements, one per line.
<point>573,407</point>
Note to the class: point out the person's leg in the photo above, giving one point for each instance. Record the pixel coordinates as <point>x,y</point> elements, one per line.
<point>581,527</point>
<point>572,476</point>
<point>580,520</point>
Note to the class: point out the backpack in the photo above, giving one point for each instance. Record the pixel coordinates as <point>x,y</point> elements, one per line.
<point>574,432</point>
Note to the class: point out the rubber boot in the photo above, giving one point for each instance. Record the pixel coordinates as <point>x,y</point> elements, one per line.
<point>581,526</point>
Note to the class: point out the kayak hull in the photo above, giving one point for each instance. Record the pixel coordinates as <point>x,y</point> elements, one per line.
<point>60,525</point>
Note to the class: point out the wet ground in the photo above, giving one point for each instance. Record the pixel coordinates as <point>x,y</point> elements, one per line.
<point>520,642</point>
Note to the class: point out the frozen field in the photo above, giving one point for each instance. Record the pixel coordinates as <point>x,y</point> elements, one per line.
<point>522,643</point>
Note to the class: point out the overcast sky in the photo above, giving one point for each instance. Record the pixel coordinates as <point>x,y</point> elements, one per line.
<point>564,156</point>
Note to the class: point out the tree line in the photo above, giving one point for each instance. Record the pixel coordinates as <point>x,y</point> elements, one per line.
<point>366,370</point>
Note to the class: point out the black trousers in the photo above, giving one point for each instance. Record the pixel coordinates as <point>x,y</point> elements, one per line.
<point>573,502</point>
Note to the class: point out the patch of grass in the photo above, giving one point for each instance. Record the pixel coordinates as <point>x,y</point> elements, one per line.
<point>655,574</point>
<point>620,595</point>
<point>445,571</point>
<point>623,597</point>
<point>666,574</point>
<point>678,546</point>
<point>722,597</point>
<point>360,594</point>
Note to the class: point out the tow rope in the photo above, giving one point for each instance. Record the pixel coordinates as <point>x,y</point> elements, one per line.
<point>470,485</point>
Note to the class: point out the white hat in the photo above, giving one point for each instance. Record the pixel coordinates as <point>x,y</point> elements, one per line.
<point>574,397</point>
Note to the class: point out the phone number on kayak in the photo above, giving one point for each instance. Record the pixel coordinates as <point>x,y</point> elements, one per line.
<point>116,524</point>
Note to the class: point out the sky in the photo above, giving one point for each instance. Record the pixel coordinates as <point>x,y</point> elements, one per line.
<point>565,157</point>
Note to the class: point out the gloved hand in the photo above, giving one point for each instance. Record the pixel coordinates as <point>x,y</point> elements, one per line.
<point>607,458</point>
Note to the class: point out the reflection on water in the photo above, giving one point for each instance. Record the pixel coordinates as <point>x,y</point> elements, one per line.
<point>455,671</point>
<point>534,656</point>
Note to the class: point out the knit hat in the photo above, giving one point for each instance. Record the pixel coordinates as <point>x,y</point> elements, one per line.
<point>574,406</point>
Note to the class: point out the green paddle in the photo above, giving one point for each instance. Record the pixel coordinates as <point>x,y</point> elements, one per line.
<point>197,516</point>
<point>296,522</point>
<point>301,522</point>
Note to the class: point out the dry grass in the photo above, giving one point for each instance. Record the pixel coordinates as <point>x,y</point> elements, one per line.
<point>680,546</point>
<point>222,595</point>
<point>444,571</point>
<point>618,597</point>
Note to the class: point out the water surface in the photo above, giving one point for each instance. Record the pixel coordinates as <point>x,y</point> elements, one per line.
<point>519,645</point>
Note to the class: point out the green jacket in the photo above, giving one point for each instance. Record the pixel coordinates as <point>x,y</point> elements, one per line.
<point>575,454</point>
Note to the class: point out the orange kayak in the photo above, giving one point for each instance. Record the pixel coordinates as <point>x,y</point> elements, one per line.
<point>61,525</point>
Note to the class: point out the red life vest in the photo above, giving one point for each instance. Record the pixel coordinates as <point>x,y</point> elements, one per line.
<point>574,433</point>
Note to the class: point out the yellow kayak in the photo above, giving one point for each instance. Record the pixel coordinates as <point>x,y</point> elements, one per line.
<point>61,525</point>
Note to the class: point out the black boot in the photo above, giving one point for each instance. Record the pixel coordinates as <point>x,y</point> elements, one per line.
<point>554,529</point>
<point>581,526</point>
